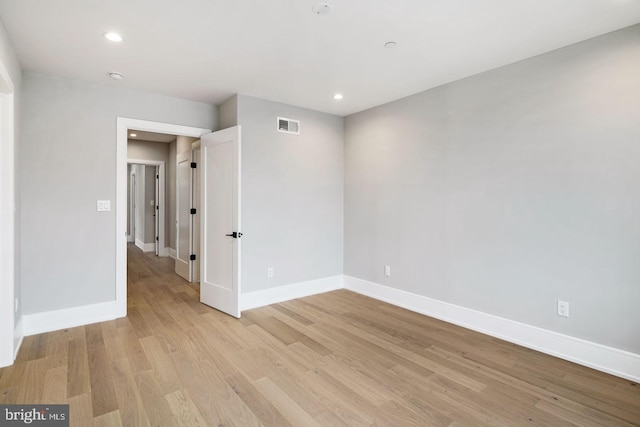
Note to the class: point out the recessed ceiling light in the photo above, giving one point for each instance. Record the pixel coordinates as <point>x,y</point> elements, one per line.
<point>114,37</point>
<point>321,8</point>
<point>133,135</point>
<point>116,76</point>
<point>390,45</point>
<point>338,96</point>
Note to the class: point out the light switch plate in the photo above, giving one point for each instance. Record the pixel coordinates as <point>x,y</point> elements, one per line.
<point>104,205</point>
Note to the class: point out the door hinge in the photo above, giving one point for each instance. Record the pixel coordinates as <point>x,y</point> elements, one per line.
<point>193,165</point>
<point>157,207</point>
<point>192,257</point>
<point>157,176</point>
<point>193,211</point>
<point>157,238</point>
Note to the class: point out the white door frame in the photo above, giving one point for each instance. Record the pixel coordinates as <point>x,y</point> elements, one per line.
<point>10,330</point>
<point>132,205</point>
<point>122,126</point>
<point>162,251</point>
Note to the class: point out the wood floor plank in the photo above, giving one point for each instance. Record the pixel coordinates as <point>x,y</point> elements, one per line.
<point>162,366</point>
<point>129,401</point>
<point>184,410</point>
<point>285,404</point>
<point>80,411</point>
<point>77,368</point>
<point>54,390</point>
<point>103,396</point>
<point>333,359</point>
<point>155,406</point>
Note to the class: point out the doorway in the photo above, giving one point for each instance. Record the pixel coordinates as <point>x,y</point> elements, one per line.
<point>220,154</point>
<point>146,214</point>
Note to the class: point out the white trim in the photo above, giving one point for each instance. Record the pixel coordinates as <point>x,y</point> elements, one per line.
<point>9,334</point>
<point>122,126</point>
<point>39,323</point>
<point>288,292</point>
<point>171,252</point>
<point>606,359</point>
<point>130,239</point>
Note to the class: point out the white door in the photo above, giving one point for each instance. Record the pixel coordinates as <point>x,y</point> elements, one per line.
<point>183,215</point>
<point>220,220</point>
<point>156,211</point>
<point>195,266</point>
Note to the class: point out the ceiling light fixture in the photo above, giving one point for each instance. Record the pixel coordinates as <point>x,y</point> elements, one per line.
<point>390,45</point>
<point>338,96</point>
<point>133,135</point>
<point>114,37</point>
<point>321,8</point>
<point>116,76</point>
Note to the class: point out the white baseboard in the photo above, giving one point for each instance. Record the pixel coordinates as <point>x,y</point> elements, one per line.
<point>606,359</point>
<point>69,318</point>
<point>172,252</point>
<point>288,292</point>
<point>145,247</point>
<point>130,238</point>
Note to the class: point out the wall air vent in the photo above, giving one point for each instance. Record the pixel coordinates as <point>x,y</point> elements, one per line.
<point>288,126</point>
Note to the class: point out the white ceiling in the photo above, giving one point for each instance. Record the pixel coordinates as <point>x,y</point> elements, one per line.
<point>151,136</point>
<point>208,50</point>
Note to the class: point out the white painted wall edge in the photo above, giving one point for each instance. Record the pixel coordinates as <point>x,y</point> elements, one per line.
<point>39,323</point>
<point>606,359</point>
<point>19,336</point>
<point>288,292</point>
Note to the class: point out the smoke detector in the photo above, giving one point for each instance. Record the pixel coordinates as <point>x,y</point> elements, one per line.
<point>321,8</point>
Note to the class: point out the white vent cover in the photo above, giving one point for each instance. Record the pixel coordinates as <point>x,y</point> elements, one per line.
<point>288,125</point>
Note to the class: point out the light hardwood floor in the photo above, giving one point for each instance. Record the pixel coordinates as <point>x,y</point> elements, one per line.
<point>337,359</point>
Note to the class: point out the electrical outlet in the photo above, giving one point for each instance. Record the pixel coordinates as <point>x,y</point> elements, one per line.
<point>270,272</point>
<point>563,308</point>
<point>387,271</point>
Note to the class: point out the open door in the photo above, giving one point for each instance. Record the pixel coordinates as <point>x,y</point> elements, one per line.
<point>183,215</point>
<point>156,212</point>
<point>220,220</point>
<point>195,249</point>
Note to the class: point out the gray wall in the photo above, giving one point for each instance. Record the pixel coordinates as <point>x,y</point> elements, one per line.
<point>170,237</point>
<point>292,195</point>
<point>148,150</point>
<point>68,162</point>
<point>509,190</point>
<point>229,112</point>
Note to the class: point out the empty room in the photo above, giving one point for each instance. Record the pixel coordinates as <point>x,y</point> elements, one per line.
<point>299,213</point>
